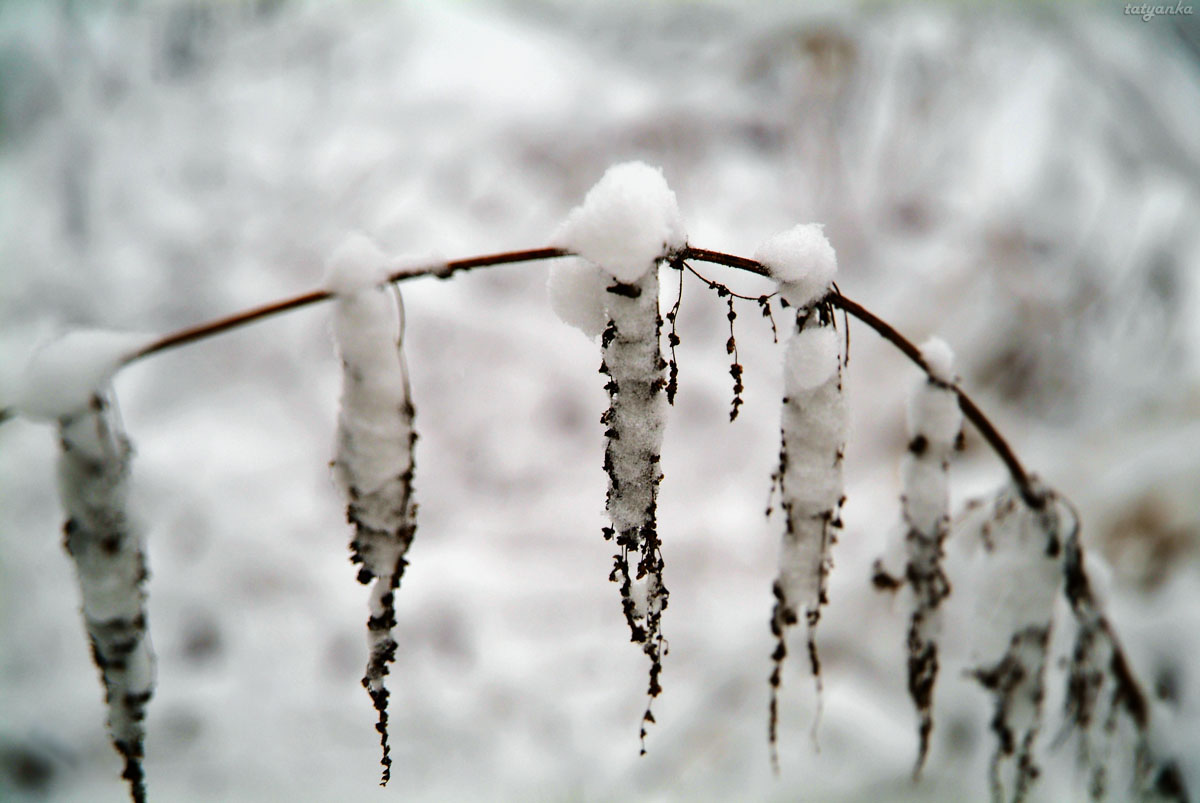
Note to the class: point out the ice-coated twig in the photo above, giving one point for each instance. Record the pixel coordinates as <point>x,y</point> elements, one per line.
<point>374,460</point>
<point>110,565</point>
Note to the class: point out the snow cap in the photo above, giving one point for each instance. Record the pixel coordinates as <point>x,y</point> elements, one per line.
<point>357,264</point>
<point>576,289</point>
<point>939,358</point>
<point>626,223</point>
<point>802,261</point>
<point>64,374</point>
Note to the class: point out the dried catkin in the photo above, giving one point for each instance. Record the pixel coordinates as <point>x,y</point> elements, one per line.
<point>810,485</point>
<point>1017,577</point>
<point>934,426</point>
<point>634,423</point>
<point>374,468</point>
<point>110,564</point>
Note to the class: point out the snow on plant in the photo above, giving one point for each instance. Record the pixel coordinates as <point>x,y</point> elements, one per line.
<point>1011,625</point>
<point>1102,691</point>
<point>627,223</point>
<point>374,461</point>
<point>110,564</point>
<point>813,424</point>
<point>934,429</point>
<point>1024,550</point>
<point>66,382</point>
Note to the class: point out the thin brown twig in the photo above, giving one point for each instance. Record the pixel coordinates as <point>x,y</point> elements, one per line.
<point>442,270</point>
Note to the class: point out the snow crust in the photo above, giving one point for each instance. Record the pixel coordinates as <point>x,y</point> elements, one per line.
<point>373,447</point>
<point>802,261</point>
<point>626,223</point>
<point>811,480</point>
<point>577,293</point>
<point>812,357</point>
<point>63,375</point>
<point>357,263</point>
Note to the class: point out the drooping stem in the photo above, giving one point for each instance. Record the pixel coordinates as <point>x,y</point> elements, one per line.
<point>444,270</point>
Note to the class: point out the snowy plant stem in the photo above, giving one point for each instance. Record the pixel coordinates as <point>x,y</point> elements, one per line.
<point>110,565</point>
<point>934,426</point>
<point>634,424</point>
<point>811,490</point>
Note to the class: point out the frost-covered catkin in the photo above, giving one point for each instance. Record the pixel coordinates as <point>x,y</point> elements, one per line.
<point>634,422</point>
<point>110,564</point>
<point>374,460</point>
<point>813,423</point>
<point>1016,577</point>
<point>810,484</point>
<point>934,425</point>
<point>627,223</point>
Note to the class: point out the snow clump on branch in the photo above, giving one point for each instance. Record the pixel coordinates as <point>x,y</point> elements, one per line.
<point>627,222</point>
<point>63,376</point>
<point>802,261</point>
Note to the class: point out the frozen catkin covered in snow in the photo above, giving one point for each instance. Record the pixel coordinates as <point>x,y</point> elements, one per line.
<point>809,481</point>
<point>626,225</point>
<point>1014,572</point>
<point>110,564</point>
<point>1103,695</point>
<point>374,460</point>
<point>934,426</point>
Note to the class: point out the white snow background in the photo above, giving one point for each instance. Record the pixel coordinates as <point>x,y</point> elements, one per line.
<point>1022,183</point>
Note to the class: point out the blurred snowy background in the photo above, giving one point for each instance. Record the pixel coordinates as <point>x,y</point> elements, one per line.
<point>1023,181</point>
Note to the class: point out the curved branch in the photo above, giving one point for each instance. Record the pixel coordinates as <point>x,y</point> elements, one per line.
<point>444,270</point>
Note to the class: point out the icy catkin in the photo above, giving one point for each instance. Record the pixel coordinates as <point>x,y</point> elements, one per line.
<point>634,423</point>
<point>1018,573</point>
<point>374,467</point>
<point>934,425</point>
<point>1101,690</point>
<point>809,480</point>
<point>110,564</point>
<point>628,222</point>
